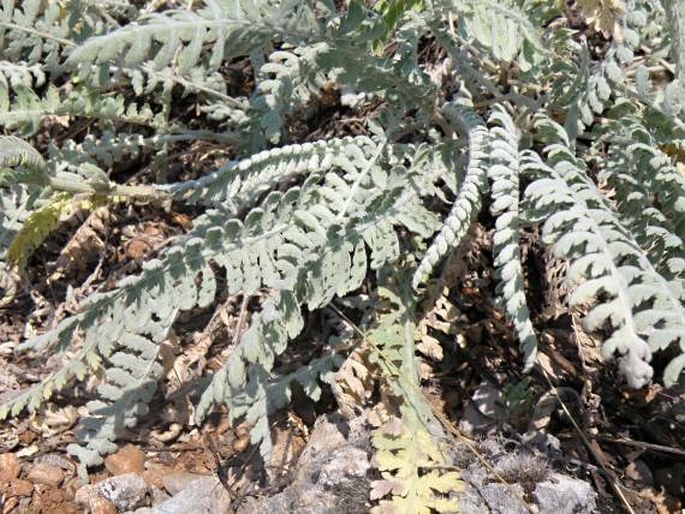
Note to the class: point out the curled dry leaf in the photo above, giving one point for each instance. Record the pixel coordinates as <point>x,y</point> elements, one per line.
<point>604,15</point>
<point>442,318</point>
<point>168,435</point>
<point>28,451</point>
<point>53,419</point>
<point>352,384</point>
<point>382,488</point>
<point>83,246</point>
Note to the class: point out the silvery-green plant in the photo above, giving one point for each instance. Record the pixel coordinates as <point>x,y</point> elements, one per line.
<point>509,117</point>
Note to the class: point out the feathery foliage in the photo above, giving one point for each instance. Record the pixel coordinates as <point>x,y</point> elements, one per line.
<point>409,442</point>
<point>97,98</point>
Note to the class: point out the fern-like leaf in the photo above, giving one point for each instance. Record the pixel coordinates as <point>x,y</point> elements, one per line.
<point>178,37</point>
<point>468,201</point>
<point>131,375</point>
<point>408,452</point>
<point>640,308</point>
<point>407,456</point>
<point>504,173</point>
<point>37,226</point>
<point>20,163</point>
<point>306,245</point>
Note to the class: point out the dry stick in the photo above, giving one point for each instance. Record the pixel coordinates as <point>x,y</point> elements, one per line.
<point>615,484</point>
<point>444,421</point>
<point>241,317</point>
<point>642,444</point>
<point>233,482</point>
<point>236,335</point>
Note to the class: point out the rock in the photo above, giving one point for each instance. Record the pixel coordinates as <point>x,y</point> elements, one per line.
<point>488,400</point>
<point>561,494</point>
<point>158,495</point>
<point>342,465</point>
<point>334,431</point>
<point>10,467</point>
<point>56,460</point>
<point>85,495</point>
<point>483,413</point>
<point>155,474</point>
<point>640,472</point>
<point>286,450</point>
<point>129,459</point>
<point>499,498</point>
<point>205,494</point>
<point>178,481</point>
<point>329,434</point>
<point>311,500</point>
<point>18,488</point>
<point>72,485</point>
<point>10,504</point>
<point>527,476</point>
<point>482,494</point>
<point>52,499</point>
<point>125,492</point>
<point>46,474</point>
<point>281,503</point>
<point>101,505</point>
<point>331,474</point>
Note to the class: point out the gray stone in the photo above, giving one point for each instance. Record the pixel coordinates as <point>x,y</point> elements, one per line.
<point>484,413</point>
<point>523,472</point>
<point>561,494</point>
<point>126,492</point>
<point>174,483</point>
<point>205,495</point>
<point>502,498</point>
<point>158,495</point>
<point>342,465</point>
<point>331,474</point>
<point>55,459</point>
<point>314,500</point>
<point>483,494</point>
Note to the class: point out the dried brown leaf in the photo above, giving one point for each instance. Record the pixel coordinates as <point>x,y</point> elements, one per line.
<point>382,488</point>
<point>353,383</point>
<point>604,15</point>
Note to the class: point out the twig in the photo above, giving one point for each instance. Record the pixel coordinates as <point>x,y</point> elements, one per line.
<point>642,444</point>
<point>614,481</point>
<point>241,317</point>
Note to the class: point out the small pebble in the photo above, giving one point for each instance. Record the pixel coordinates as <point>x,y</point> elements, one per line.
<point>46,474</point>
<point>640,472</point>
<point>125,492</point>
<point>10,467</point>
<point>177,482</point>
<point>18,488</point>
<point>128,459</point>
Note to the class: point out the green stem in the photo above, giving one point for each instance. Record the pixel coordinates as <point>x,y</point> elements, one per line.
<point>44,35</point>
<point>112,189</point>
<point>676,25</point>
